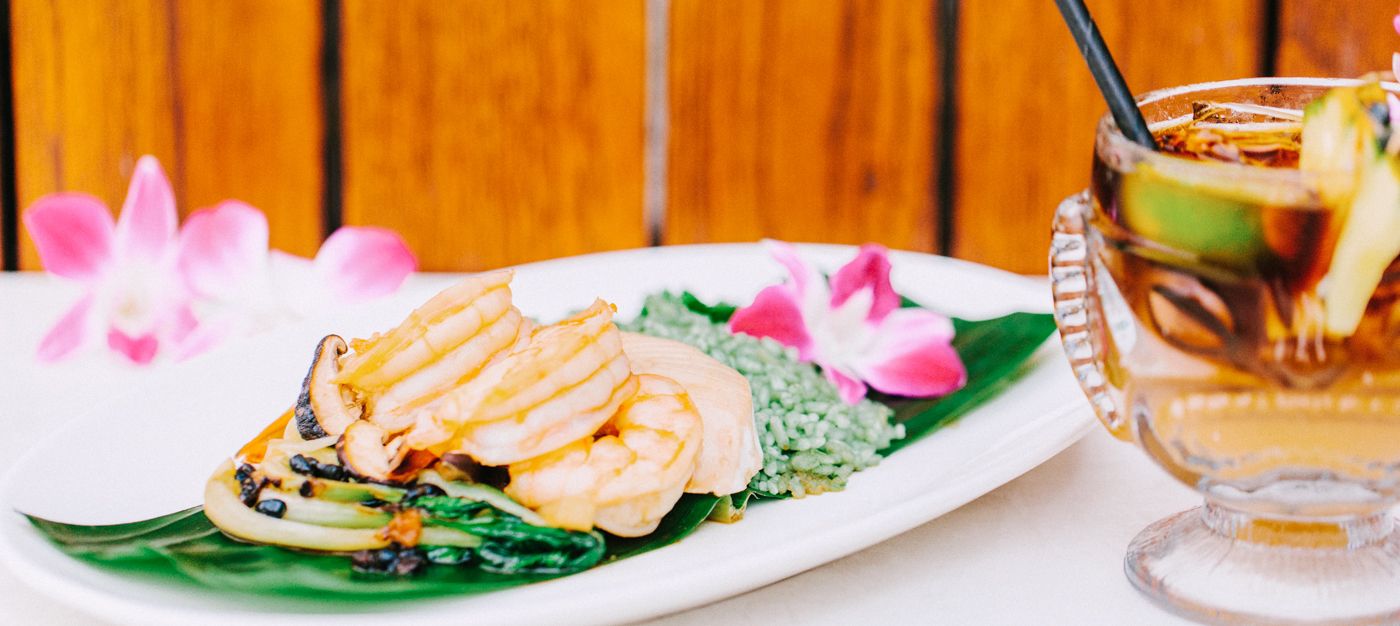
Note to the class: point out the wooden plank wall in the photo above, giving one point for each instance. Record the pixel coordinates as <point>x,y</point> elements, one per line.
<point>226,95</point>
<point>490,133</point>
<point>1027,105</point>
<point>805,121</point>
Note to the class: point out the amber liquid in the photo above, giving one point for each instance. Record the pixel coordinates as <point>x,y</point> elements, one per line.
<point>1212,340</point>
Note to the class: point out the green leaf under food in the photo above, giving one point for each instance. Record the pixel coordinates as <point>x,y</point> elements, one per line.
<point>993,351</point>
<point>186,549</point>
<point>692,509</point>
<point>718,313</point>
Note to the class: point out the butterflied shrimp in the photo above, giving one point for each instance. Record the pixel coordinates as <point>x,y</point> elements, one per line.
<point>442,343</point>
<point>394,408</point>
<point>628,476</point>
<point>559,388</point>
<point>445,322</point>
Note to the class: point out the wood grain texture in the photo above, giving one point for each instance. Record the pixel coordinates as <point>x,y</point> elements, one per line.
<point>492,133</point>
<point>1330,38</point>
<point>249,103</point>
<point>1028,106</point>
<point>804,121</point>
<point>93,92</point>
<point>225,94</point>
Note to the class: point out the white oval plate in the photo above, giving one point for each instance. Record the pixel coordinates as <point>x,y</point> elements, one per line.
<point>149,451</point>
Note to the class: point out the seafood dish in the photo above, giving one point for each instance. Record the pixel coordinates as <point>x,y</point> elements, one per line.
<point>470,434</point>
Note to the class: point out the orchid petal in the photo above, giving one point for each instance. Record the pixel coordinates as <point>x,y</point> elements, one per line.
<point>803,276</point>
<point>360,263</point>
<point>776,312</point>
<point>202,338</point>
<point>147,224</point>
<point>222,248</point>
<point>913,356</point>
<point>1395,22</point>
<point>139,350</point>
<point>850,389</point>
<point>1395,68</point>
<point>72,233</point>
<point>68,334</point>
<point>869,270</point>
<point>183,324</point>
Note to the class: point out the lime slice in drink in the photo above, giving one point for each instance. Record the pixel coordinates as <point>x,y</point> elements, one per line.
<point>1214,219</point>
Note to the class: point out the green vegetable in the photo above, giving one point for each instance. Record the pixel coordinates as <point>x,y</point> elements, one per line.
<point>510,546</point>
<point>328,512</point>
<point>483,493</point>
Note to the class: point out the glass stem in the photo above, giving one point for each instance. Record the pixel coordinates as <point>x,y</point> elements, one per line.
<point>1335,532</point>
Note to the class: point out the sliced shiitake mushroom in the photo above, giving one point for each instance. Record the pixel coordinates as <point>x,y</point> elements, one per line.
<point>362,452</point>
<point>364,455</point>
<point>326,408</point>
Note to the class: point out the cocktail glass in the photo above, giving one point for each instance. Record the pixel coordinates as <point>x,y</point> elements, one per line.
<point>1190,296</point>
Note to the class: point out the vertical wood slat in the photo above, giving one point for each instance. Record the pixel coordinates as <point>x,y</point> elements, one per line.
<point>1330,38</point>
<point>9,212</point>
<point>224,94</point>
<point>1027,105</point>
<point>249,99</point>
<point>491,133</point>
<point>93,92</point>
<point>805,121</point>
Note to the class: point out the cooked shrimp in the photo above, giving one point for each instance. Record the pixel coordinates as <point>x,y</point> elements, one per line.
<point>628,477</point>
<point>393,408</point>
<point>559,388</point>
<point>730,454</point>
<point>420,342</point>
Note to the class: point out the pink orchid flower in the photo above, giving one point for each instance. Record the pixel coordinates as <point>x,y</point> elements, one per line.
<point>242,287</point>
<point>191,290</point>
<point>854,328</point>
<point>132,295</point>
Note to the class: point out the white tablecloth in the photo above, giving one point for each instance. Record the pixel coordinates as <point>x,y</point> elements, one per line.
<point>1046,548</point>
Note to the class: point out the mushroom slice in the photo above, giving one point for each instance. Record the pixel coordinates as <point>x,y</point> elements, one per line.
<point>325,408</point>
<point>362,451</point>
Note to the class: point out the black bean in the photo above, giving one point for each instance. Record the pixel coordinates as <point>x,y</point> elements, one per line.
<point>425,490</point>
<point>410,562</point>
<point>395,559</point>
<point>373,503</point>
<point>373,560</point>
<point>300,465</point>
<point>249,493</point>
<point>311,467</point>
<point>272,508</point>
<point>245,472</point>
<point>307,490</point>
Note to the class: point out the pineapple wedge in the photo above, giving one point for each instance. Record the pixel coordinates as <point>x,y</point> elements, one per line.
<point>1370,240</point>
<point>1342,135</point>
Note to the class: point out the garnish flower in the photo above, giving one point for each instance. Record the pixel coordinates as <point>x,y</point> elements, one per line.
<point>132,295</point>
<point>854,327</point>
<point>241,287</point>
<point>149,288</point>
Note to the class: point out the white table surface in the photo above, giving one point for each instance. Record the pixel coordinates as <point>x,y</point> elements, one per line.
<point>1046,548</point>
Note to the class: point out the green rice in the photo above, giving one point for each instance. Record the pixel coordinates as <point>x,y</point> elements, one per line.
<point>812,441</point>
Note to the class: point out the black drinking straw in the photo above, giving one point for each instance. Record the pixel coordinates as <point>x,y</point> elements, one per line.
<point>1105,71</point>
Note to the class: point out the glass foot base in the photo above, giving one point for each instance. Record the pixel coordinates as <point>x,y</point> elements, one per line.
<point>1220,566</point>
